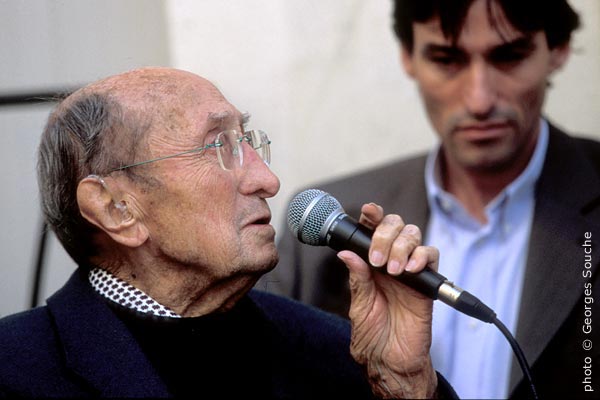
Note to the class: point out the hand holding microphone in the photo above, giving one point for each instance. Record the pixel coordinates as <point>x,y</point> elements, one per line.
<point>318,219</point>
<point>382,311</point>
<point>391,326</point>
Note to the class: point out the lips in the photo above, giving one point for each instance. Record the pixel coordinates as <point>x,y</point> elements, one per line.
<point>483,131</point>
<point>263,220</point>
<point>260,220</point>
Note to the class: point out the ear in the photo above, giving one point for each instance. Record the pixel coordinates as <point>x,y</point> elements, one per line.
<point>97,205</point>
<point>406,56</point>
<point>559,56</point>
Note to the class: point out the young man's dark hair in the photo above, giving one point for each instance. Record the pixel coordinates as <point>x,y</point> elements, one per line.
<point>555,17</point>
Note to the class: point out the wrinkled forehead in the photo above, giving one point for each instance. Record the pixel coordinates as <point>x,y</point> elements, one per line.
<point>178,102</point>
<point>193,123</point>
<point>176,106</point>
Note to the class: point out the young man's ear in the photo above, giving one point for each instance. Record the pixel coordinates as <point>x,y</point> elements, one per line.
<point>559,56</point>
<point>406,57</point>
<point>99,207</point>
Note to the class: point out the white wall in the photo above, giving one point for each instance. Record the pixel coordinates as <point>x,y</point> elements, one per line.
<point>321,76</point>
<point>324,79</point>
<point>46,45</point>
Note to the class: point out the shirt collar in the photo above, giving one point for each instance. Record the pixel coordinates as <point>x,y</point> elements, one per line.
<point>524,183</point>
<point>124,294</point>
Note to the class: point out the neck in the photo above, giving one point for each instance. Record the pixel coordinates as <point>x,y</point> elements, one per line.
<point>184,289</point>
<point>475,190</point>
<point>476,187</point>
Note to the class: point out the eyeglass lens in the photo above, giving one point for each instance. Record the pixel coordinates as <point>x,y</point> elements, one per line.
<point>230,148</point>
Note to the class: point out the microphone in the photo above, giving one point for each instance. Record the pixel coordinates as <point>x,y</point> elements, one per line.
<point>316,218</point>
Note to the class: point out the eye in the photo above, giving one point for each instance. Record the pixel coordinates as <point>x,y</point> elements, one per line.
<point>508,57</point>
<point>446,58</point>
<point>512,53</point>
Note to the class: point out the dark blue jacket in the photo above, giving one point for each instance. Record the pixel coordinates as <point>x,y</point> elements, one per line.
<point>76,346</point>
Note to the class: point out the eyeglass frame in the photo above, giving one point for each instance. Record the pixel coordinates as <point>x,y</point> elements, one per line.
<point>244,136</point>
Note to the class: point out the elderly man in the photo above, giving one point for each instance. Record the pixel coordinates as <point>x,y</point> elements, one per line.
<point>158,191</point>
<point>507,197</point>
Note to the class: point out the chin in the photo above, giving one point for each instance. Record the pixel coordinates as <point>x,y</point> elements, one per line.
<point>263,261</point>
<point>271,261</point>
<point>487,159</point>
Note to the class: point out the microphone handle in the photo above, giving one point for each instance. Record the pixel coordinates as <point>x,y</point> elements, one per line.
<point>346,233</point>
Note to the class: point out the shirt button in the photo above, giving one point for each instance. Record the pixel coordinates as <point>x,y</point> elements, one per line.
<point>473,325</point>
<point>446,205</point>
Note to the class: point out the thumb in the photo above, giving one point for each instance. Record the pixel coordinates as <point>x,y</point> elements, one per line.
<point>362,285</point>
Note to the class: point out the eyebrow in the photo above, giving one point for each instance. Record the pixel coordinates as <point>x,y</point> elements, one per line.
<point>245,117</point>
<point>220,117</point>
<point>524,43</point>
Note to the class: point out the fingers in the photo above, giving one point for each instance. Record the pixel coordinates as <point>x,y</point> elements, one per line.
<point>421,257</point>
<point>395,243</point>
<point>371,215</point>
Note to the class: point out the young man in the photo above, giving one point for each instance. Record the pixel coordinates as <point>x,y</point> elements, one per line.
<point>507,197</point>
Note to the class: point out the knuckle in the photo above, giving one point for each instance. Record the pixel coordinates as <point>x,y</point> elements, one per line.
<point>411,240</point>
<point>379,235</point>
<point>420,252</point>
<point>393,220</point>
<point>401,245</point>
<point>427,253</point>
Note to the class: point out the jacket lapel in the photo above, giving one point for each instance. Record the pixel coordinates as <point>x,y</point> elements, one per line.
<point>97,345</point>
<point>411,201</point>
<point>565,195</point>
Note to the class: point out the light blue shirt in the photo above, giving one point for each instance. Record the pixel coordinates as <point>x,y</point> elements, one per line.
<point>488,260</point>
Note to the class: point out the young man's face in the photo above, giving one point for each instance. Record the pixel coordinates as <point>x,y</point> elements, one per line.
<point>484,94</point>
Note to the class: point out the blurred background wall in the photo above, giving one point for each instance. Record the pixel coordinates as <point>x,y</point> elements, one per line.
<point>322,77</point>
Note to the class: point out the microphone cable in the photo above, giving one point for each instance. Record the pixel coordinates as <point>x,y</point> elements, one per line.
<point>518,353</point>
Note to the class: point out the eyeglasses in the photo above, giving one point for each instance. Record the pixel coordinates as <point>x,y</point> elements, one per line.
<point>230,149</point>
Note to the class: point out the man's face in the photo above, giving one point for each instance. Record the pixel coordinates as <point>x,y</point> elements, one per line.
<point>199,215</point>
<point>483,95</point>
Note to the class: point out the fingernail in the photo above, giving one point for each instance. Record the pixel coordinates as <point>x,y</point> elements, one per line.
<point>394,267</point>
<point>376,259</point>
<point>412,264</point>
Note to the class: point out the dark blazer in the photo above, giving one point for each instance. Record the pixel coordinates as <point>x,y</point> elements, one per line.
<point>552,307</point>
<point>76,346</point>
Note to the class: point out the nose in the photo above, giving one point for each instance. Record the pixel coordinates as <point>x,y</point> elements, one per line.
<point>256,176</point>
<point>479,90</point>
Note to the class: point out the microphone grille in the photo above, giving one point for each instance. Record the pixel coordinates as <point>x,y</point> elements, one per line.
<point>307,214</point>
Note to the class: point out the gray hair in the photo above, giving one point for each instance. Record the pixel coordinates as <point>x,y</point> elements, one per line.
<point>88,133</point>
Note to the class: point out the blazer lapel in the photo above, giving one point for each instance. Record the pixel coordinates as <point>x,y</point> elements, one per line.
<point>411,201</point>
<point>565,193</point>
<point>97,345</point>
